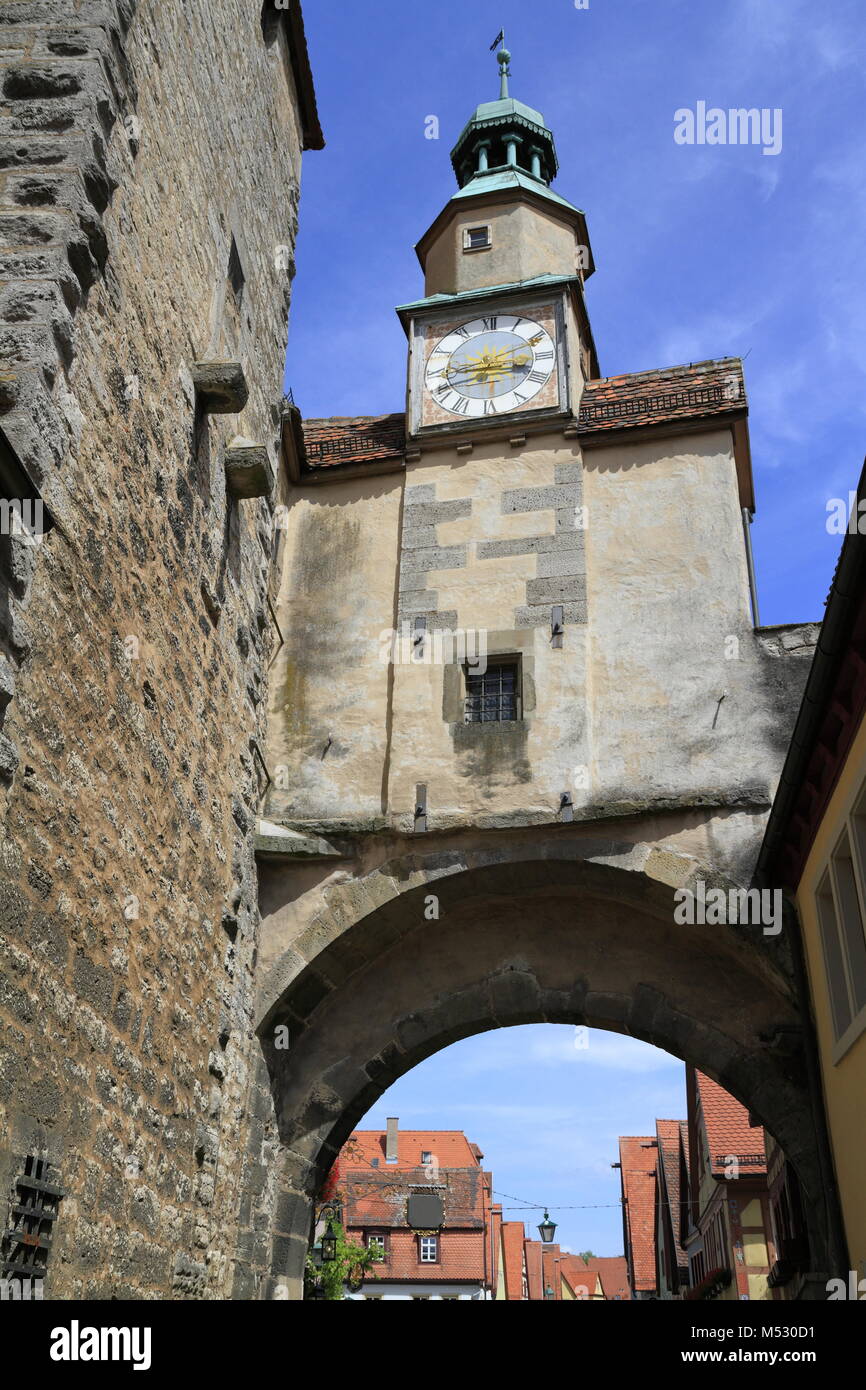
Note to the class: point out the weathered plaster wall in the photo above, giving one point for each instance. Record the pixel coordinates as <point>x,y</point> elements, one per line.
<point>525,241</point>
<point>328,683</point>
<point>661,696</point>
<point>137,141</point>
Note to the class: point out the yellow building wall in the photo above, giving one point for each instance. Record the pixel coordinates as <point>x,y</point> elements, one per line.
<point>845,1080</point>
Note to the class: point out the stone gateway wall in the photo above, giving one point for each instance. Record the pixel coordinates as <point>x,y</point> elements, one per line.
<point>149,164</point>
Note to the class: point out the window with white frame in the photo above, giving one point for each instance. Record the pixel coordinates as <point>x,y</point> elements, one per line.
<point>476,238</point>
<point>377,1244</point>
<point>840,898</point>
<point>428,1251</point>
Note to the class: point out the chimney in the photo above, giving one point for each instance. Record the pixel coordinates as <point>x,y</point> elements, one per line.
<point>391,1139</point>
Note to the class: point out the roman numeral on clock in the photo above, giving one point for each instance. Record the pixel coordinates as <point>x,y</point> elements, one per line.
<point>544,356</point>
<point>490,408</point>
<point>490,324</point>
<point>462,406</point>
<point>462,332</point>
<point>537,376</point>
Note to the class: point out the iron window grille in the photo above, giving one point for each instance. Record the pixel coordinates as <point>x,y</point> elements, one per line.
<point>494,696</point>
<point>32,1214</point>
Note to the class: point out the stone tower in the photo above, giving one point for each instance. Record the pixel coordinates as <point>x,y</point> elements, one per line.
<point>150,156</point>
<point>521,700</point>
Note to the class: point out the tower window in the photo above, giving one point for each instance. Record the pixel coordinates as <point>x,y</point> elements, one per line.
<point>476,238</point>
<point>494,696</point>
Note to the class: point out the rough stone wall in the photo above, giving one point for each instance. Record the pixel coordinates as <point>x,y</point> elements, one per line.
<point>139,142</point>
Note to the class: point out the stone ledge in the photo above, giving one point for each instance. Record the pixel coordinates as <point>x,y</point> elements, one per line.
<point>248,469</point>
<point>276,842</point>
<point>221,387</point>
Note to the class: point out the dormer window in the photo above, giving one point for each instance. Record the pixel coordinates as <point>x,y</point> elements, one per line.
<point>476,238</point>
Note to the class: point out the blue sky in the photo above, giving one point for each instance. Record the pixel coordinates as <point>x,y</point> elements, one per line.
<point>701,251</point>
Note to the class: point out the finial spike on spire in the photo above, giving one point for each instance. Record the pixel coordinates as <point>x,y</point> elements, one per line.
<point>503,58</point>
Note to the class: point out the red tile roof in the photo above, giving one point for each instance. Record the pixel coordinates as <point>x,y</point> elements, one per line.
<point>551,1257</point>
<point>612,1270</point>
<point>354,439</point>
<point>449,1148</point>
<point>513,1236</point>
<point>728,1131</point>
<point>638,1173</point>
<point>532,1256</point>
<point>579,1277</point>
<point>633,400</point>
<point>638,399</point>
<point>376,1196</point>
<point>670,1136</point>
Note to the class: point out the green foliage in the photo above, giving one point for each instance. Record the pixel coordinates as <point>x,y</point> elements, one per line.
<point>353,1263</point>
<point>586,1256</point>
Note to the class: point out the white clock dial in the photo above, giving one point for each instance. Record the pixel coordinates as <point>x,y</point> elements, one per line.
<point>490,366</point>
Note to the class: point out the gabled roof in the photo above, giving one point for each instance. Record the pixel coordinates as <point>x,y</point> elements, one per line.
<point>534,1280</point>
<point>611,1270</point>
<point>729,1134</point>
<point>375,1192</point>
<point>513,1237</point>
<point>584,1282</point>
<point>670,1140</point>
<point>638,1158</point>
<point>450,1149</point>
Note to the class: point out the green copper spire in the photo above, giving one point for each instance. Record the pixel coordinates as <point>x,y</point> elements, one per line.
<point>504,135</point>
<point>503,58</point>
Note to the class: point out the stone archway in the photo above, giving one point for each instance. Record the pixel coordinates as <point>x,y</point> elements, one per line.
<point>577,931</point>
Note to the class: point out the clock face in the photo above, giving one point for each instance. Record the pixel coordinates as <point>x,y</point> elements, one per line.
<point>490,366</point>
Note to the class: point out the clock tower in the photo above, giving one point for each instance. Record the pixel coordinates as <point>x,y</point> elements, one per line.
<point>502,333</point>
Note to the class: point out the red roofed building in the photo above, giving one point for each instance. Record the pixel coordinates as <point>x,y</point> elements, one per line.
<point>601,1279</point>
<point>421,1199</point>
<point>638,1161</point>
<point>729,1243</point>
<point>551,1271</point>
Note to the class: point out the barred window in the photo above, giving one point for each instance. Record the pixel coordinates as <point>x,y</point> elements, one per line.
<point>493,696</point>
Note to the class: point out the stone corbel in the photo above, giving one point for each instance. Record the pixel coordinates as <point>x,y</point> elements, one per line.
<point>248,469</point>
<point>221,387</point>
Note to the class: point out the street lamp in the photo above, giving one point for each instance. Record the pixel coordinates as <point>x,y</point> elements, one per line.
<point>329,1243</point>
<point>547,1229</point>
